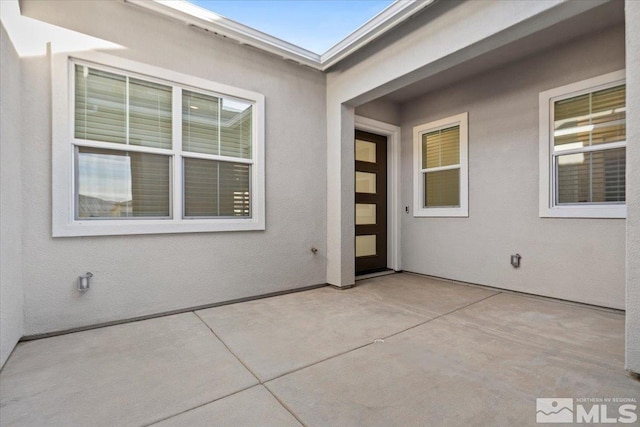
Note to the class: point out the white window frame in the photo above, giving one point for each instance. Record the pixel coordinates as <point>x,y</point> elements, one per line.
<point>419,210</point>
<point>547,205</point>
<point>64,222</point>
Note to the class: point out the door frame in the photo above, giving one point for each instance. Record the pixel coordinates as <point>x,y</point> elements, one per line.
<point>394,207</point>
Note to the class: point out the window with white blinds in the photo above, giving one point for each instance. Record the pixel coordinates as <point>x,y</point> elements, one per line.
<point>589,135</point>
<point>147,150</point>
<point>441,167</point>
<point>440,150</point>
<point>586,148</point>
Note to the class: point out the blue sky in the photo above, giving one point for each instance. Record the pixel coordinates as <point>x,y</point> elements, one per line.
<point>315,25</point>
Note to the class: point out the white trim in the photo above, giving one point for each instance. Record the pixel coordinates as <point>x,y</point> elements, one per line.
<point>441,168</point>
<point>199,17</point>
<point>418,206</point>
<point>386,20</point>
<point>63,218</point>
<point>394,203</point>
<point>178,184</point>
<point>546,204</point>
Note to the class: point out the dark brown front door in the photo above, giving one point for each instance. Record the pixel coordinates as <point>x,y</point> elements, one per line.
<point>371,202</point>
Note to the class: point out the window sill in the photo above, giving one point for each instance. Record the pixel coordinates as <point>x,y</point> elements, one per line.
<point>441,213</point>
<point>126,227</point>
<point>610,212</point>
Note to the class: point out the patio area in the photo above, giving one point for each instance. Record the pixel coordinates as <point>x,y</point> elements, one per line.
<point>398,350</point>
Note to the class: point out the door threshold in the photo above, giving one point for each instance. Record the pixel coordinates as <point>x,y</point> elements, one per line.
<point>376,274</point>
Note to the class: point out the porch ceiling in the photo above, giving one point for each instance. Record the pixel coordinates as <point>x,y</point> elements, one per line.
<point>592,21</point>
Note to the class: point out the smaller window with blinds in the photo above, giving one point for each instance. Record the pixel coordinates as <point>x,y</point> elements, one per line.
<point>440,167</point>
<point>148,150</point>
<point>584,147</point>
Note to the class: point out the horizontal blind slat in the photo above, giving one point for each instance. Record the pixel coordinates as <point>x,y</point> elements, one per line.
<point>442,188</point>
<point>592,177</point>
<point>441,148</point>
<point>100,105</point>
<point>200,123</point>
<point>113,184</point>
<point>583,119</point>
<point>214,188</point>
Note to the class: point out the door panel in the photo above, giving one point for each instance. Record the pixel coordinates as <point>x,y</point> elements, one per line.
<point>365,213</point>
<point>371,202</point>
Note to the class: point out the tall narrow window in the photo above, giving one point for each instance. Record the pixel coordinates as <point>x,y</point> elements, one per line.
<point>440,177</point>
<point>586,149</point>
<point>441,167</point>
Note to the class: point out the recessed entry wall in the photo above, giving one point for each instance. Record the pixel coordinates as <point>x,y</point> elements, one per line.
<point>574,259</point>
<point>383,111</point>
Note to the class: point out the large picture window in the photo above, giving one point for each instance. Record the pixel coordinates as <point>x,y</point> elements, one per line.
<point>151,151</point>
<point>583,140</point>
<point>440,167</point>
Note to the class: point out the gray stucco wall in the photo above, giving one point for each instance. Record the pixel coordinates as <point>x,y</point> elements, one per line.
<point>446,35</point>
<point>574,259</point>
<point>11,298</point>
<point>632,18</point>
<point>380,110</point>
<point>140,275</point>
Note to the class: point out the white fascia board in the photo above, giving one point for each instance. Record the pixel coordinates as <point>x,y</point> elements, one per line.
<point>199,17</point>
<point>396,13</point>
<point>202,18</point>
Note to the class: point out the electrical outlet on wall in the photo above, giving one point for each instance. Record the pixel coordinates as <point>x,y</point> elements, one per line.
<point>515,260</point>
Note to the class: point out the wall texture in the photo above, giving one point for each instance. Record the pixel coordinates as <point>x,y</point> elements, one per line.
<point>632,18</point>
<point>141,275</point>
<point>383,111</point>
<point>575,259</point>
<point>445,35</point>
<point>11,297</point>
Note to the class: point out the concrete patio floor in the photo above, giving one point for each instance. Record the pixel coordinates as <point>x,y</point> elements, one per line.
<point>395,350</point>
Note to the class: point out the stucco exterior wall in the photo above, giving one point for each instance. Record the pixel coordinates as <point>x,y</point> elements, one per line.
<point>632,19</point>
<point>11,297</point>
<point>447,34</point>
<point>383,111</point>
<point>574,259</point>
<point>141,275</point>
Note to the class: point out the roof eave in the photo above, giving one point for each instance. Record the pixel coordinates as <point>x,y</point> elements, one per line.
<point>199,17</point>
<point>383,22</point>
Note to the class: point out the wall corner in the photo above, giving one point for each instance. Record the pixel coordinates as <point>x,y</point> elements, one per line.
<point>632,300</point>
<point>11,278</point>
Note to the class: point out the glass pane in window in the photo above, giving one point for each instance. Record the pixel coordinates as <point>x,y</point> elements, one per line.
<point>235,128</point>
<point>120,184</point>
<point>365,182</point>
<point>441,148</point>
<point>214,189</point>
<point>100,105</point>
<point>365,151</point>
<point>366,245</point>
<point>596,177</point>
<point>149,114</point>
<point>442,188</point>
<point>200,132</point>
<point>365,214</point>
<point>591,119</point>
